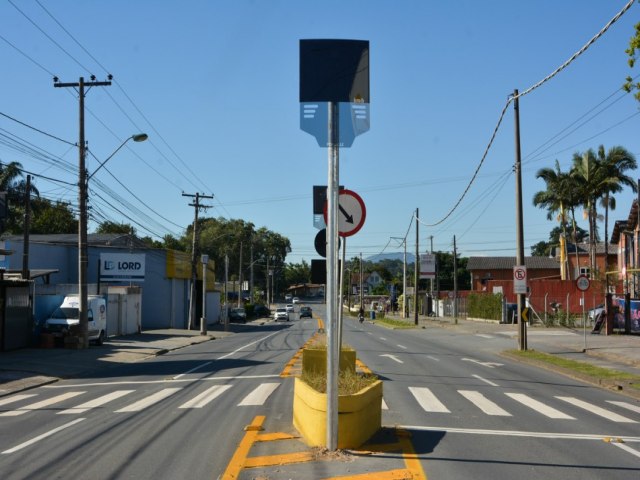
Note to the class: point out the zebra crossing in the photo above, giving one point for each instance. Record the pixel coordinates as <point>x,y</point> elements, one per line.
<point>430,403</point>
<point>501,403</point>
<point>14,406</point>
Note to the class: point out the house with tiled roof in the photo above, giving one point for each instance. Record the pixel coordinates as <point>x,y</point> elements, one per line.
<point>484,269</point>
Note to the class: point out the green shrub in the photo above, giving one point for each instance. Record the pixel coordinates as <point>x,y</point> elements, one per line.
<point>485,305</point>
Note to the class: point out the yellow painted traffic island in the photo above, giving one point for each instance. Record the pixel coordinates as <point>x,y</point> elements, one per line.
<point>314,360</point>
<point>359,414</point>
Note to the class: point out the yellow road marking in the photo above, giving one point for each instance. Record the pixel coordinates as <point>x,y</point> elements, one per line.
<point>363,367</point>
<point>411,459</point>
<point>400,474</point>
<point>283,459</point>
<point>240,456</point>
<point>268,437</point>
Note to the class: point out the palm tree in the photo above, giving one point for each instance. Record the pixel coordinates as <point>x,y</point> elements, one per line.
<point>559,197</point>
<point>615,162</point>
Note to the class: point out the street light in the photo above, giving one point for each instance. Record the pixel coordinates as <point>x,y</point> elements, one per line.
<point>83,256</point>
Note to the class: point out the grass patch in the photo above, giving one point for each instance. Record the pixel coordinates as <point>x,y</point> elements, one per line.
<point>349,382</point>
<point>580,367</point>
<point>395,323</point>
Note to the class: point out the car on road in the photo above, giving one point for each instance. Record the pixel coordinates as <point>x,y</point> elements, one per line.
<point>295,300</point>
<point>288,297</point>
<point>305,312</point>
<point>289,307</point>
<point>238,315</point>
<point>281,314</point>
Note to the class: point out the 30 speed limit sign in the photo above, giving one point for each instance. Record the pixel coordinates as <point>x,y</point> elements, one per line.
<point>582,282</point>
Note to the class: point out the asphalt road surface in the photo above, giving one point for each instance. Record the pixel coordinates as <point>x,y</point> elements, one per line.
<point>472,413</point>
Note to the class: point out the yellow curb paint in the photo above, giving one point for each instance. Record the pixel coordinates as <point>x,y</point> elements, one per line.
<point>411,460</point>
<point>284,459</point>
<point>363,367</point>
<point>400,474</point>
<point>269,437</point>
<point>240,456</point>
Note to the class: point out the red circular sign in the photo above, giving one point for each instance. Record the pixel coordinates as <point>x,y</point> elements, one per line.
<point>583,283</point>
<point>351,213</point>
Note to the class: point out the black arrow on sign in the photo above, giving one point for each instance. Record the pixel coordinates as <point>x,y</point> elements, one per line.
<point>346,214</point>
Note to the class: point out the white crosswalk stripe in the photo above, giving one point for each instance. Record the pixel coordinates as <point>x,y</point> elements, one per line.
<point>95,403</point>
<point>148,401</point>
<point>205,397</point>
<point>539,407</point>
<point>614,417</point>
<point>628,406</point>
<point>41,404</point>
<point>259,395</point>
<point>16,398</point>
<point>428,400</point>
<point>483,403</point>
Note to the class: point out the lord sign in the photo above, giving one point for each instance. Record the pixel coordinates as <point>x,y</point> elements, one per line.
<point>122,267</point>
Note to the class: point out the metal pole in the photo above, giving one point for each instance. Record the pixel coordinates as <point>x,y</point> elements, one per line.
<point>203,319</point>
<point>416,275</point>
<point>331,290</point>
<point>226,294</point>
<point>27,223</point>
<point>405,300</point>
<point>584,324</point>
<point>240,278</point>
<point>455,281</point>
<point>340,313</point>
<point>522,332</point>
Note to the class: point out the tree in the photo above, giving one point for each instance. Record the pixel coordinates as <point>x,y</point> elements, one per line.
<point>52,217</point>
<point>297,273</point>
<point>115,227</point>
<point>632,52</point>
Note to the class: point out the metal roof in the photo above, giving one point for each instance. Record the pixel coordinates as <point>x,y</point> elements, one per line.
<point>507,263</point>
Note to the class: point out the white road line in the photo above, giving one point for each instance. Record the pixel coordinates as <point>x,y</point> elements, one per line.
<point>96,402</point>
<point>628,406</point>
<point>516,433</point>
<point>43,436</point>
<point>148,401</point>
<point>484,364</point>
<point>392,357</point>
<point>150,382</point>
<point>626,448</point>
<point>539,407</point>
<point>614,417</point>
<point>41,404</point>
<point>384,405</point>
<point>433,358</point>
<point>226,355</point>
<point>485,380</point>
<point>427,400</point>
<point>205,397</point>
<point>259,395</point>
<point>383,339</point>
<point>483,335</point>
<point>483,403</point>
<point>16,398</point>
<point>402,347</point>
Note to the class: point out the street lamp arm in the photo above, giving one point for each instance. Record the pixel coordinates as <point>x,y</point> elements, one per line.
<point>139,137</point>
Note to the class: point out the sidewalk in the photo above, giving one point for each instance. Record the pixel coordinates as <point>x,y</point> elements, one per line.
<point>30,367</point>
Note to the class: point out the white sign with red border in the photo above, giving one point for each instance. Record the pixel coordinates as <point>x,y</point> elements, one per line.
<point>351,213</point>
<point>519,279</point>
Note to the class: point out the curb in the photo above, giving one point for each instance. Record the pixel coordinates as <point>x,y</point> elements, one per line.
<point>612,385</point>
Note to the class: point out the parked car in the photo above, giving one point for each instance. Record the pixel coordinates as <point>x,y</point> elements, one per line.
<point>594,312</point>
<point>261,311</point>
<point>295,300</point>
<point>237,315</point>
<point>67,315</point>
<point>289,307</point>
<point>281,314</point>
<point>305,312</point>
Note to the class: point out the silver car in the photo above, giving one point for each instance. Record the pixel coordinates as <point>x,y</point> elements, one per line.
<point>281,314</point>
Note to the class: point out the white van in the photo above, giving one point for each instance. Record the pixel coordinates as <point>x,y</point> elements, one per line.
<point>67,314</point>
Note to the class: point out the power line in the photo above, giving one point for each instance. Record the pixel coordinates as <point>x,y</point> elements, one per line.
<point>37,129</point>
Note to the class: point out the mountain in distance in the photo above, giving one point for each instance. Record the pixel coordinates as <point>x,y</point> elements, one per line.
<point>391,256</point>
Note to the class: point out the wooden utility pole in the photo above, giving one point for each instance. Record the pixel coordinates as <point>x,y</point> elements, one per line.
<point>194,253</point>
<point>522,332</point>
<point>455,281</point>
<point>83,255</point>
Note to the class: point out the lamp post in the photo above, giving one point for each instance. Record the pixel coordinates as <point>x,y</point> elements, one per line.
<point>83,255</point>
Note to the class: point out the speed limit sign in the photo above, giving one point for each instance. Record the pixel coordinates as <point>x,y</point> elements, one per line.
<point>583,283</point>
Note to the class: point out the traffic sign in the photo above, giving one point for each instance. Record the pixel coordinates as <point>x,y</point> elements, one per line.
<point>519,279</point>
<point>583,283</point>
<point>525,314</point>
<point>351,213</point>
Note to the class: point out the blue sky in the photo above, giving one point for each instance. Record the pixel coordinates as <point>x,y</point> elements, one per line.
<point>215,86</point>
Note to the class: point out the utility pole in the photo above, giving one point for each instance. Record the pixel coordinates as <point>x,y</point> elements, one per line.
<point>83,254</point>
<point>431,280</point>
<point>416,275</point>
<point>361,283</point>
<point>226,293</point>
<point>251,275</point>
<point>455,281</point>
<point>522,332</point>
<point>27,223</point>
<point>240,278</point>
<point>194,253</point>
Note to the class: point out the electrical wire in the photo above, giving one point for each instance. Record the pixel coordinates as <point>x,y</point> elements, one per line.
<point>37,129</point>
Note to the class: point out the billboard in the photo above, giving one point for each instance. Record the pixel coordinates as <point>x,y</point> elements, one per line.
<point>122,267</point>
<point>427,265</point>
